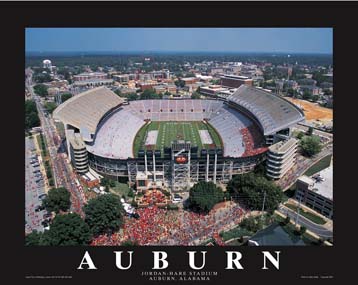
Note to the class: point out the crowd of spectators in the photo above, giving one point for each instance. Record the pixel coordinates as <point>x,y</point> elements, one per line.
<point>158,226</point>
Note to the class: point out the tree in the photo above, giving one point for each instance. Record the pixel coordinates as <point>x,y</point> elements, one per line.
<point>300,135</point>
<point>306,95</point>
<point>195,95</point>
<point>179,83</point>
<point>68,76</point>
<point>41,90</point>
<point>327,91</point>
<point>65,97</point>
<point>58,199</point>
<point>315,98</point>
<point>51,182</point>
<point>310,131</point>
<point>260,169</point>
<point>33,120</point>
<point>290,92</point>
<point>50,107</point>
<point>149,94</point>
<point>104,181</point>
<point>204,195</point>
<point>215,81</point>
<point>107,182</point>
<point>119,93</point>
<point>251,188</point>
<point>252,224</point>
<point>130,193</point>
<point>112,183</point>
<point>131,96</point>
<point>42,77</point>
<point>287,220</point>
<point>68,229</point>
<point>34,238</point>
<point>104,214</point>
<point>31,115</point>
<point>310,145</point>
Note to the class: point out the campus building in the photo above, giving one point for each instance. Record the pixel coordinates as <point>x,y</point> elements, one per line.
<point>235,81</point>
<point>121,78</point>
<point>78,152</point>
<point>280,158</point>
<point>216,91</point>
<point>316,192</point>
<point>89,76</point>
<point>190,80</point>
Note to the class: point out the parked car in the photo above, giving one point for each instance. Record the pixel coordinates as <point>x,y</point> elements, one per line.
<point>47,216</point>
<point>42,196</point>
<point>39,208</point>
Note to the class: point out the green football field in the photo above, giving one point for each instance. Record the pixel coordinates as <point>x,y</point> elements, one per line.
<point>170,131</point>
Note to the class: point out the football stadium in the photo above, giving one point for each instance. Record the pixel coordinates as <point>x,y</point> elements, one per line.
<point>173,143</point>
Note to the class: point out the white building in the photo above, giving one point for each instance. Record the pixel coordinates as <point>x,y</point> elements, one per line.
<point>316,192</point>
<point>280,158</point>
<point>47,64</point>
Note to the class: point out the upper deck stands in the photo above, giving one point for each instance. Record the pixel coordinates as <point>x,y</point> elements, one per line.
<point>85,110</point>
<point>272,112</point>
<point>175,110</point>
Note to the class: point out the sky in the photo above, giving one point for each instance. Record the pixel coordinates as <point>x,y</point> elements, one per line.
<point>290,40</point>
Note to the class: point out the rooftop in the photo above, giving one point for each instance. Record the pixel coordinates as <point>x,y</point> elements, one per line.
<point>325,186</point>
<point>189,78</point>
<point>274,113</point>
<point>235,77</point>
<point>321,183</point>
<point>85,110</point>
<point>307,180</point>
<point>76,141</point>
<point>90,74</point>
<point>283,146</point>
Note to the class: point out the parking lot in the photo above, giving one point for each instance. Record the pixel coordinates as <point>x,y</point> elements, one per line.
<point>34,188</point>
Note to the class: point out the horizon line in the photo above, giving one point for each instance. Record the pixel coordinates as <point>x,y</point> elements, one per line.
<point>178,51</point>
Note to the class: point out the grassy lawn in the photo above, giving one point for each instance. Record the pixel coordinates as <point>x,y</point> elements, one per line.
<point>120,189</point>
<point>38,139</point>
<point>314,218</point>
<point>320,165</point>
<point>41,141</point>
<point>214,135</point>
<point>60,128</point>
<point>170,131</point>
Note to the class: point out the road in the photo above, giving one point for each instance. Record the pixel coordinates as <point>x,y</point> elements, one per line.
<point>62,172</point>
<point>317,229</point>
<point>304,128</point>
<point>34,187</point>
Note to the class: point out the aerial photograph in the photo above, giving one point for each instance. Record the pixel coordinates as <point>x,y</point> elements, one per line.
<point>178,136</point>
